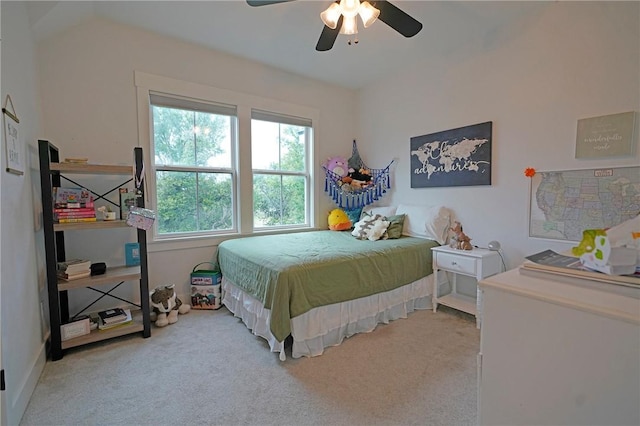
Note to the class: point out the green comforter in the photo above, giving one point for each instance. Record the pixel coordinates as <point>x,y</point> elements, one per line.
<point>293,273</point>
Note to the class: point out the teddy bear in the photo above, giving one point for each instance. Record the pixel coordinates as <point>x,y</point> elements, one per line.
<point>166,305</point>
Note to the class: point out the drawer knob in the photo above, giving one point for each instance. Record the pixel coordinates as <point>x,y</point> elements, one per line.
<point>454,263</point>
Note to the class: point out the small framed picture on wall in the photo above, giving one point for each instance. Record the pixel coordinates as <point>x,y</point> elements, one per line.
<point>14,146</point>
<point>606,136</point>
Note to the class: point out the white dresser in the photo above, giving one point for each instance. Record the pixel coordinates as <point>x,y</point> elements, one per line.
<point>558,351</point>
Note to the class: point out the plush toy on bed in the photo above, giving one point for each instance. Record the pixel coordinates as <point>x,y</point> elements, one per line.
<point>338,220</point>
<point>166,305</point>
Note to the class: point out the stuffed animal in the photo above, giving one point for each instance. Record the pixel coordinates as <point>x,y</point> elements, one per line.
<point>337,165</point>
<point>338,220</point>
<point>166,305</point>
<point>360,178</point>
<point>460,240</point>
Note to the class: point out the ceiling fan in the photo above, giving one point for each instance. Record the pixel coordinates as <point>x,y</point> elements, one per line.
<point>388,13</point>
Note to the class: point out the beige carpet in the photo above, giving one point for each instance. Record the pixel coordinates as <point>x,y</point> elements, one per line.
<point>209,369</point>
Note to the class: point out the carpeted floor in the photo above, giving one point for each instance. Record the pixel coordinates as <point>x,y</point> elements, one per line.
<point>209,369</point>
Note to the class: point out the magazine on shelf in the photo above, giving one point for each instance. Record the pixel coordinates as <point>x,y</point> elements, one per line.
<point>556,263</point>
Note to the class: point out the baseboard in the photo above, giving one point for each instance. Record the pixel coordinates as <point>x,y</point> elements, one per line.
<point>17,406</point>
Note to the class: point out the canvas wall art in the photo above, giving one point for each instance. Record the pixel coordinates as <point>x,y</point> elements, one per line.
<point>456,157</point>
<point>606,136</point>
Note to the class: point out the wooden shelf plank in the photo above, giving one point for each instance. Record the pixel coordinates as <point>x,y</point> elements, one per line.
<point>99,224</point>
<point>99,335</point>
<point>94,169</point>
<point>113,275</point>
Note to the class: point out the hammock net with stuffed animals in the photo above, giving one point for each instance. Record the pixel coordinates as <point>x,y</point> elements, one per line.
<point>350,197</point>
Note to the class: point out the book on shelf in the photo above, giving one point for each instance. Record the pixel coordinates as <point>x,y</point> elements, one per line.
<point>72,197</point>
<point>132,254</point>
<point>79,215</point>
<point>74,265</point>
<point>102,326</point>
<point>128,199</point>
<point>74,210</point>
<point>74,276</point>
<point>555,263</point>
<point>77,219</point>
<point>111,316</point>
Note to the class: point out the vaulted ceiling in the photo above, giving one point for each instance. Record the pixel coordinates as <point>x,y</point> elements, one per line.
<point>284,35</point>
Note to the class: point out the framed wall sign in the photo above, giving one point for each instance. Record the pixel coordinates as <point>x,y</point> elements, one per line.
<point>15,151</point>
<point>456,157</point>
<point>606,136</point>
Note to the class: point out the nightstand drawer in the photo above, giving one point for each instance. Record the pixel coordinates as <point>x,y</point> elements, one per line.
<point>455,263</point>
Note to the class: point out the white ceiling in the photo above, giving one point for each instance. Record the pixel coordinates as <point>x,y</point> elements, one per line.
<point>284,35</point>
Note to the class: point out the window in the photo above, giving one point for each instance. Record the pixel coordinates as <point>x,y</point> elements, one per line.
<point>223,163</point>
<point>281,179</point>
<point>193,164</point>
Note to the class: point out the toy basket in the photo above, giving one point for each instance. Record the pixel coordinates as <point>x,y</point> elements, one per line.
<point>206,292</point>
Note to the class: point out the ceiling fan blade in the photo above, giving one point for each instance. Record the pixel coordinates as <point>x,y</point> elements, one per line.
<point>397,19</point>
<point>265,2</point>
<point>328,37</point>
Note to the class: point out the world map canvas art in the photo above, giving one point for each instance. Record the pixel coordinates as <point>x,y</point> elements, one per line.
<point>456,157</point>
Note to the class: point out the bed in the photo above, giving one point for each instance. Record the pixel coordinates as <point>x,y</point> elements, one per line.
<point>320,287</point>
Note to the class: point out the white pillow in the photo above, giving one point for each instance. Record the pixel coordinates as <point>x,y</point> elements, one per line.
<point>430,222</point>
<point>385,211</point>
<point>371,228</point>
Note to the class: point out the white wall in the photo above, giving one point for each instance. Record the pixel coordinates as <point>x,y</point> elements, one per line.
<point>23,284</point>
<point>534,81</point>
<point>89,110</point>
<point>570,61</point>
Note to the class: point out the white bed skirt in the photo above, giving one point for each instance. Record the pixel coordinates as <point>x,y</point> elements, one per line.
<point>329,325</point>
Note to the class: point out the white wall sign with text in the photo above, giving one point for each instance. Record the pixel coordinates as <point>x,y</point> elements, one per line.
<point>606,136</point>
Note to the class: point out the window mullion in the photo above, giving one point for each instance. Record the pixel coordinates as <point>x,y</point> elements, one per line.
<point>195,162</point>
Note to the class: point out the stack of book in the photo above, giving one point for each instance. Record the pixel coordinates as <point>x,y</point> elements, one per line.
<point>73,205</point>
<point>74,269</point>
<point>548,261</point>
<point>113,318</point>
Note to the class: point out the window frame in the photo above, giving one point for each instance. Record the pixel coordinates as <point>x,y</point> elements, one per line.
<point>196,105</point>
<point>146,84</point>
<point>305,174</point>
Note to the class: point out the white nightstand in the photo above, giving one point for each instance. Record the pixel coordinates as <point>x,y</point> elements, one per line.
<point>477,263</point>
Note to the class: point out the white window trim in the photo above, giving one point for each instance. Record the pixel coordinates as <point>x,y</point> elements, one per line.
<point>146,83</point>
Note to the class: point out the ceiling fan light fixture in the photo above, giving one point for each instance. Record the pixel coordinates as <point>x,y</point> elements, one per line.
<point>349,25</point>
<point>349,8</point>
<point>368,14</point>
<point>331,15</point>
